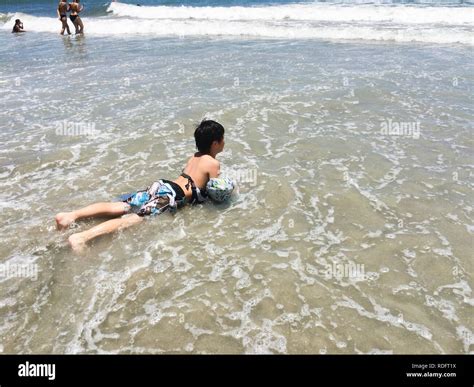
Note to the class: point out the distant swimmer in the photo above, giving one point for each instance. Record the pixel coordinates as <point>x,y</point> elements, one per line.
<point>18,27</point>
<point>63,8</point>
<point>76,8</point>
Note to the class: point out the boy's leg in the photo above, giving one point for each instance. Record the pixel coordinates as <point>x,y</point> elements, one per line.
<point>64,219</point>
<point>78,241</point>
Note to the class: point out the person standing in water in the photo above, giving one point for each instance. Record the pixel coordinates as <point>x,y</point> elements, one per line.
<point>76,8</point>
<point>63,7</point>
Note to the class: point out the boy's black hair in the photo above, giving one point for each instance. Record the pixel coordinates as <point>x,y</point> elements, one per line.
<point>206,133</point>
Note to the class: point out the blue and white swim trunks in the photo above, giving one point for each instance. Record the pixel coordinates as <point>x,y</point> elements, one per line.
<point>161,196</point>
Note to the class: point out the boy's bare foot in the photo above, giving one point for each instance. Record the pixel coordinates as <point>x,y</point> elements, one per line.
<point>64,219</point>
<point>77,243</point>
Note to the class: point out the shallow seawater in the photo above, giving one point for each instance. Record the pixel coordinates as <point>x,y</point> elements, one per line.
<point>346,236</point>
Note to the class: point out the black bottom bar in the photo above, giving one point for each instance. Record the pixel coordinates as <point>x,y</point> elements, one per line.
<point>379,370</point>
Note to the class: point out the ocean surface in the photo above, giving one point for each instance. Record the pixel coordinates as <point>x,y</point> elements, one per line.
<point>349,131</point>
<point>432,22</point>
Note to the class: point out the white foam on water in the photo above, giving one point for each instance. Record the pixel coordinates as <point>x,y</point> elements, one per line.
<point>265,341</point>
<point>466,336</point>
<point>383,314</point>
<point>377,351</point>
<point>104,299</point>
<point>442,26</point>
<point>447,308</point>
<point>257,338</point>
<point>304,12</point>
<point>462,289</point>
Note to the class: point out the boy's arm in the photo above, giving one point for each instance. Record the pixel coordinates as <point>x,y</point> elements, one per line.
<point>215,169</point>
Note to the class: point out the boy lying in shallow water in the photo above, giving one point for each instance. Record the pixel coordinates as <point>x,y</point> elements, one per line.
<point>160,196</point>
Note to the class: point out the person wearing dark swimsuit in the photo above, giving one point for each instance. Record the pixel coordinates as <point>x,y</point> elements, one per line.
<point>76,8</point>
<point>18,27</point>
<point>198,196</point>
<point>63,7</point>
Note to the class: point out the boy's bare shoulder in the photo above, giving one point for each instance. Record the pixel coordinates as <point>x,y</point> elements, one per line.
<point>211,161</point>
<point>211,166</point>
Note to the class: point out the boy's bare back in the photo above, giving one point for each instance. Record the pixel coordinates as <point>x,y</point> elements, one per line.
<point>201,168</point>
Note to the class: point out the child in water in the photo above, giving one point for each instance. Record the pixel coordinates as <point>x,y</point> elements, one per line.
<point>18,27</point>
<point>162,195</point>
